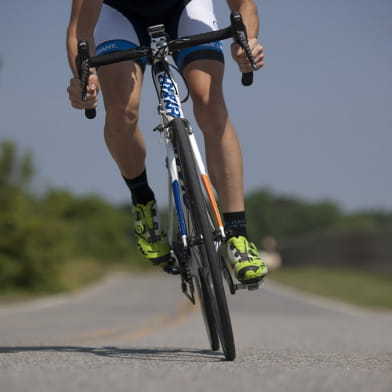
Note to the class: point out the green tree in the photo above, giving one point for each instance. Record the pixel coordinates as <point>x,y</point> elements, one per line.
<point>16,171</point>
<point>98,229</point>
<point>28,242</point>
<point>282,216</point>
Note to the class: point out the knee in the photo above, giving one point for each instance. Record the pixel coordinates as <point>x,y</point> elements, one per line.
<point>121,119</point>
<point>210,110</point>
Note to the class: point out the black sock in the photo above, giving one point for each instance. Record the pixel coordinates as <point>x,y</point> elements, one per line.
<point>140,190</point>
<point>235,223</point>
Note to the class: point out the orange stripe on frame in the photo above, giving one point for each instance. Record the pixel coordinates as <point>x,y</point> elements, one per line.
<point>211,197</point>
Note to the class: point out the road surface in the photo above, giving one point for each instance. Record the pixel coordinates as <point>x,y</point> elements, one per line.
<point>139,333</point>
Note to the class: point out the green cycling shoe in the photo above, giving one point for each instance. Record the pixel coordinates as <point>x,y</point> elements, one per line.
<point>244,257</point>
<point>150,237</point>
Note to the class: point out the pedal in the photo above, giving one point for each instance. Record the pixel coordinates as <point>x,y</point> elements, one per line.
<point>233,287</point>
<point>250,285</point>
<point>171,267</point>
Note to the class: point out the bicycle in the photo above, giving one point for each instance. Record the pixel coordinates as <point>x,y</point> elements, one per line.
<point>195,227</point>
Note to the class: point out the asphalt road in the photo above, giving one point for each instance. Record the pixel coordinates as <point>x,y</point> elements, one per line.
<point>140,334</point>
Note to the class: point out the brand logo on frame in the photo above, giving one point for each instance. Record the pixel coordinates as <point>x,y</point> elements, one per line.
<point>169,96</point>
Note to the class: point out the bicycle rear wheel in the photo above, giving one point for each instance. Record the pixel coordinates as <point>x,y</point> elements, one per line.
<point>209,262</point>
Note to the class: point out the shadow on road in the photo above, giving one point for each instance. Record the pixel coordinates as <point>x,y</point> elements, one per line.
<point>142,354</point>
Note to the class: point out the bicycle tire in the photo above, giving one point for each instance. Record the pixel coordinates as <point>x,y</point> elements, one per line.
<point>201,223</point>
<point>205,299</point>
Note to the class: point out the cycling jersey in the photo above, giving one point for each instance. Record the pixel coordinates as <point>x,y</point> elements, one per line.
<point>123,25</point>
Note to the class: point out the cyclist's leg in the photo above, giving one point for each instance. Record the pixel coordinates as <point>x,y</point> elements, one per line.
<point>118,28</point>
<point>120,86</point>
<point>224,161</point>
<point>203,71</point>
<point>223,152</point>
<point>121,89</point>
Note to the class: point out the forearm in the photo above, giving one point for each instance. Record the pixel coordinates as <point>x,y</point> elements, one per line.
<point>72,51</point>
<point>248,11</point>
<point>82,22</point>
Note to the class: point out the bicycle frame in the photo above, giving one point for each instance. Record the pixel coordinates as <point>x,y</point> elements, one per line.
<point>170,107</point>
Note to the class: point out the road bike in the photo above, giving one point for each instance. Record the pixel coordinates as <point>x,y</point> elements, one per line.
<point>195,229</point>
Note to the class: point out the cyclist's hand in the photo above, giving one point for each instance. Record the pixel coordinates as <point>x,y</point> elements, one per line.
<point>239,55</point>
<point>75,93</point>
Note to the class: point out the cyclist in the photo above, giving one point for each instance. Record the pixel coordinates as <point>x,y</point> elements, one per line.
<point>111,25</point>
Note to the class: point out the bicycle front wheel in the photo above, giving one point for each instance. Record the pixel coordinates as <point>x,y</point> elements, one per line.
<point>209,261</point>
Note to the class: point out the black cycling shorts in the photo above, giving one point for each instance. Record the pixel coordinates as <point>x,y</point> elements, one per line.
<point>123,24</point>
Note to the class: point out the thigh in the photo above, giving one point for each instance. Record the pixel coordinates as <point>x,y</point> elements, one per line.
<point>121,86</point>
<point>115,31</point>
<point>198,17</point>
<point>121,82</point>
<point>204,78</point>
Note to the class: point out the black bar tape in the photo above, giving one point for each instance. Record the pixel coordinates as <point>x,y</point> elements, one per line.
<point>83,64</point>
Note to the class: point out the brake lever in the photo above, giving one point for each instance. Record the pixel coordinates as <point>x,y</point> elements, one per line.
<point>241,37</point>
<point>83,65</point>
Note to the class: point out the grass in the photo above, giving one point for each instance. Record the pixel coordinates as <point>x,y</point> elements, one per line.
<point>74,275</point>
<point>360,288</point>
<point>78,273</point>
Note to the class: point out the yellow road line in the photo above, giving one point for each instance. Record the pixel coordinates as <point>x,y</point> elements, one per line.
<point>183,313</point>
<point>166,320</point>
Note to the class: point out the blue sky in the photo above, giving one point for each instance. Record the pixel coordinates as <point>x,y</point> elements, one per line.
<point>317,123</point>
